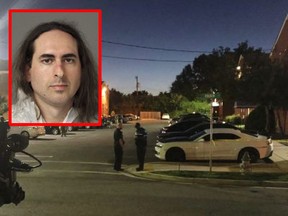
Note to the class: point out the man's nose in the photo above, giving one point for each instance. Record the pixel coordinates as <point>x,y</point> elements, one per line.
<point>59,71</point>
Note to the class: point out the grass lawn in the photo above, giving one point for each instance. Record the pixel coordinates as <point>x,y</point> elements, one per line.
<point>228,175</point>
<point>284,141</point>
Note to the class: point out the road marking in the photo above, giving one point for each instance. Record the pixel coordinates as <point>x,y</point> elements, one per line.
<point>83,172</point>
<point>96,172</point>
<point>78,162</point>
<point>272,188</point>
<point>37,156</point>
<point>67,162</point>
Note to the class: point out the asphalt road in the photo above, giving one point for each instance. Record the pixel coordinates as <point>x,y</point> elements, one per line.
<point>77,179</point>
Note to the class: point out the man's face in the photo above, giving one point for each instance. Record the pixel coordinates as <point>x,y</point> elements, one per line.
<point>55,71</point>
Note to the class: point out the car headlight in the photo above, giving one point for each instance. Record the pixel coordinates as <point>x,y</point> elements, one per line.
<point>160,145</point>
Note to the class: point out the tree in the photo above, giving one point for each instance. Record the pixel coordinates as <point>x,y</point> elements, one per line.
<point>115,100</point>
<point>256,75</point>
<point>217,72</point>
<point>185,83</point>
<point>139,100</point>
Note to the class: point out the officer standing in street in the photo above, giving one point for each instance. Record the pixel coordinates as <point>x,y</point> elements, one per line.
<point>118,147</point>
<point>141,143</point>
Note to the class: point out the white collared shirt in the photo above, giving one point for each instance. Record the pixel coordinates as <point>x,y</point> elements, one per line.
<point>27,111</point>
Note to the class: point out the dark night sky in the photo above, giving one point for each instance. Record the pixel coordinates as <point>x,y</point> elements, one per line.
<point>195,25</point>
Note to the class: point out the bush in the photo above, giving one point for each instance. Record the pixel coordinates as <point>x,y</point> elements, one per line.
<point>257,120</point>
<point>190,107</point>
<point>234,119</point>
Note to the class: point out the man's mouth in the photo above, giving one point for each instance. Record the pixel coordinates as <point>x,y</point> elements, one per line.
<point>59,87</point>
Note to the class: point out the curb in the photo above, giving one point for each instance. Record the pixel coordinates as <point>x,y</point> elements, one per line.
<point>206,181</point>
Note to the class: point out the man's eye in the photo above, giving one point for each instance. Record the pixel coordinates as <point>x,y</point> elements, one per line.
<point>69,60</point>
<point>46,61</point>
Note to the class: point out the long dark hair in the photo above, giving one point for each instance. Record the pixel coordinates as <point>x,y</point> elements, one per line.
<point>86,98</point>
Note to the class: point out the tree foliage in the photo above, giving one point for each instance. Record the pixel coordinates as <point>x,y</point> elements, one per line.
<point>185,83</point>
<point>260,81</point>
<point>217,72</point>
<point>116,100</point>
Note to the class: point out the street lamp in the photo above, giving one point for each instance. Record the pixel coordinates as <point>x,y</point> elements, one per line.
<point>239,72</point>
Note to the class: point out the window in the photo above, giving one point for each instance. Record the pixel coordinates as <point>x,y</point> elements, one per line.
<point>222,136</point>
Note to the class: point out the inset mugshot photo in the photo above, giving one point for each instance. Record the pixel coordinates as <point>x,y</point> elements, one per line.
<point>55,73</point>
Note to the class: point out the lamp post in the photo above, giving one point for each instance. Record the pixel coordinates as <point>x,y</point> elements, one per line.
<point>214,105</point>
<point>211,135</point>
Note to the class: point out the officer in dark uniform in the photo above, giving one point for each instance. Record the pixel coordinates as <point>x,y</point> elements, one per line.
<point>118,147</point>
<point>141,143</point>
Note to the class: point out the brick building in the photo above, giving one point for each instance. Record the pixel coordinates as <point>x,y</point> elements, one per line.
<point>278,52</point>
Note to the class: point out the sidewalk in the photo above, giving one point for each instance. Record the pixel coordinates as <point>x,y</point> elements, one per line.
<point>279,164</point>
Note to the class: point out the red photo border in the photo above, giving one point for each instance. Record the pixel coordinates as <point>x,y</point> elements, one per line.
<point>11,11</point>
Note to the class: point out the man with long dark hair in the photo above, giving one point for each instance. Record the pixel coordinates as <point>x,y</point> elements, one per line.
<point>55,77</point>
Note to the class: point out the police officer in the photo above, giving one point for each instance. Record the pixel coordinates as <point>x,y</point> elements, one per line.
<point>118,147</point>
<point>141,143</point>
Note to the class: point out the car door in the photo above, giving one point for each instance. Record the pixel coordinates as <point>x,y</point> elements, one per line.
<point>224,146</point>
<point>196,146</point>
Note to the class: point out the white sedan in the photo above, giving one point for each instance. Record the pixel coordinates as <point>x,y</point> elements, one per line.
<point>30,132</point>
<point>227,144</point>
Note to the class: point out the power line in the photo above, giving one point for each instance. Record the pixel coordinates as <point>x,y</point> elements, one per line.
<point>144,59</point>
<point>162,49</point>
<point>154,48</point>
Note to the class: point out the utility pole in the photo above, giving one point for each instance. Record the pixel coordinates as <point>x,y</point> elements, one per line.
<point>137,85</point>
<point>137,99</point>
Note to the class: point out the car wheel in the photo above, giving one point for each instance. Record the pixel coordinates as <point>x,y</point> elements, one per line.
<point>253,154</point>
<point>26,134</point>
<point>55,131</point>
<point>175,154</point>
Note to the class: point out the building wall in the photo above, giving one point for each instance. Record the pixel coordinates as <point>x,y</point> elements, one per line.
<point>150,115</point>
<point>279,51</point>
<point>105,99</point>
<point>243,112</point>
<point>281,46</point>
<point>281,116</point>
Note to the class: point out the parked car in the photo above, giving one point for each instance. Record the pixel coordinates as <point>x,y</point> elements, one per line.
<point>52,130</point>
<point>228,144</point>
<point>173,121</point>
<point>174,135</point>
<point>119,118</point>
<point>72,128</point>
<point>181,126</point>
<point>41,130</point>
<point>131,117</point>
<point>192,116</point>
<point>106,122</point>
<point>30,132</point>
<point>165,116</point>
